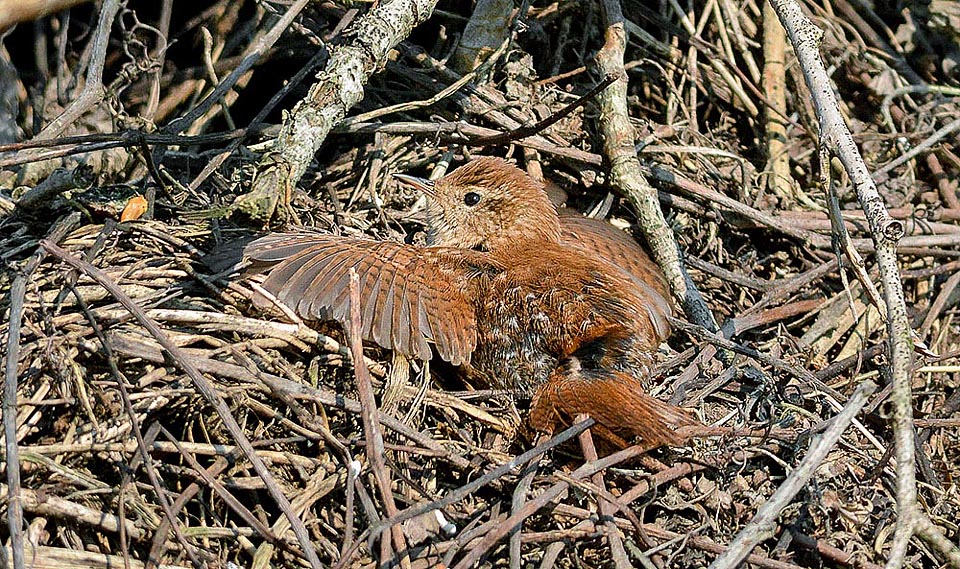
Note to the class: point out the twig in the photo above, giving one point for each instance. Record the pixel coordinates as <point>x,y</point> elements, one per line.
<point>519,499</point>
<point>14,499</point>
<point>468,489</point>
<point>774,84</point>
<point>525,131</point>
<point>148,464</point>
<point>18,291</point>
<point>229,499</point>
<point>534,506</point>
<point>93,89</point>
<point>939,135</point>
<point>617,551</point>
<point>371,427</point>
<point>764,522</point>
<point>841,237</point>
<point>250,58</point>
<point>60,181</point>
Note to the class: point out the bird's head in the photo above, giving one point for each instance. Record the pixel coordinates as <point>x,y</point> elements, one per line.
<point>487,204</point>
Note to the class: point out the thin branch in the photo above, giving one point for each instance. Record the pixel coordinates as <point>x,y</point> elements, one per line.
<point>886,232</point>
<point>525,131</point>
<point>93,89</point>
<point>371,427</point>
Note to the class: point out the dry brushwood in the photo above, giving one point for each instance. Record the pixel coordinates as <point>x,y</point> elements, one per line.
<point>793,170</point>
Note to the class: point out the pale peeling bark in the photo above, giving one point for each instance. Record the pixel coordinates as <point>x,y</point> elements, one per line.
<point>339,87</point>
<point>488,27</point>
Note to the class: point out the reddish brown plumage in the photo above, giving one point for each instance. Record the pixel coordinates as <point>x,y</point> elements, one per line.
<point>517,296</point>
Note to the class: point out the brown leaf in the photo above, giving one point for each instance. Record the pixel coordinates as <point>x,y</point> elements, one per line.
<point>134,209</point>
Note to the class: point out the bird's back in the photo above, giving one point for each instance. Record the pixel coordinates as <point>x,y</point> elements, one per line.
<point>601,240</point>
<point>555,301</point>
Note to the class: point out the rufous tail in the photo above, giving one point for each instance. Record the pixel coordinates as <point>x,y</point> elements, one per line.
<point>616,401</point>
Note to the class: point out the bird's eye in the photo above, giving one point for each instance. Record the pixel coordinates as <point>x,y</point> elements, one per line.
<point>471,198</point>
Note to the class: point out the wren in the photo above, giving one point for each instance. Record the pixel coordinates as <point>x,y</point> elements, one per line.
<point>561,308</point>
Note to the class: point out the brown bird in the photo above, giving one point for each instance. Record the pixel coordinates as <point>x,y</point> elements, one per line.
<point>518,296</point>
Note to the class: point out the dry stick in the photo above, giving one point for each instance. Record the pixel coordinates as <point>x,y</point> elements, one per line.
<point>920,148</point>
<point>472,558</point>
<point>371,427</point>
<point>471,533</point>
<point>763,524</point>
<point>203,386</point>
<point>947,192</point>
<point>86,143</point>
<point>519,498</point>
<point>93,89</point>
<point>805,38</point>
<point>841,236</point>
<point>352,473</point>
<point>701,543</point>
<point>619,140</point>
<point>933,535</point>
<point>463,133</point>
<point>829,552</point>
<point>148,464</point>
<point>338,88</point>
<point>619,554</point>
<point>324,397</point>
<point>46,505</point>
<point>158,545</point>
<point>776,363</point>
<point>218,488</point>
<point>939,303</point>
<point>774,84</point>
<point>293,83</point>
<point>546,123</point>
<point>14,499</point>
<point>59,181</point>
<point>17,294</point>
<point>553,551</point>
<point>468,489</point>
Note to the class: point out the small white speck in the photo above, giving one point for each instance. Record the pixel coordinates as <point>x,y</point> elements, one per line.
<point>446,527</point>
<point>355,468</point>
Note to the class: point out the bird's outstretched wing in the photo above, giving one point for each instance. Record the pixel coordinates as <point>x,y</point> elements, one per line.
<point>409,295</point>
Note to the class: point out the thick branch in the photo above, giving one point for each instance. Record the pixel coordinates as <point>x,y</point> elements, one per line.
<point>339,87</point>
<point>619,147</point>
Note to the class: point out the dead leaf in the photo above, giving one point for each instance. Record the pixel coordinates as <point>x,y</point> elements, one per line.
<point>135,208</point>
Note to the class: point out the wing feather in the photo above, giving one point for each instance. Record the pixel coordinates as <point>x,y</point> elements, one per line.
<point>409,295</point>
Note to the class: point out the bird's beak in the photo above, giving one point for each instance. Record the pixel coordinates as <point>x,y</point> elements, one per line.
<point>422,184</point>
